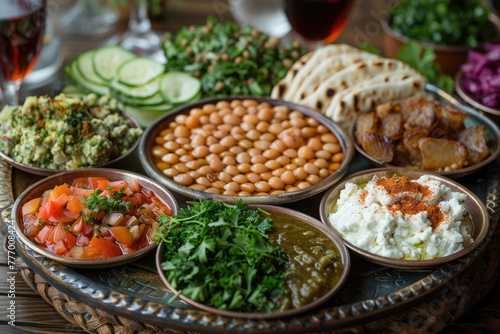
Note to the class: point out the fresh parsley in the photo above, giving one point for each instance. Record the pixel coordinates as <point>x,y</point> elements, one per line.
<point>219,254</point>
<point>107,202</point>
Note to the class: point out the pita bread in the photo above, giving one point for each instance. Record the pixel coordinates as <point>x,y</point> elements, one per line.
<point>348,104</point>
<point>281,87</point>
<point>352,75</point>
<point>330,66</point>
<point>304,66</point>
<point>318,57</point>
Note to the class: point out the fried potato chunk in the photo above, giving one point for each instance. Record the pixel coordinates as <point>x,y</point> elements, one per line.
<point>366,123</point>
<point>378,146</point>
<point>392,126</point>
<point>475,142</point>
<point>451,119</point>
<point>441,154</point>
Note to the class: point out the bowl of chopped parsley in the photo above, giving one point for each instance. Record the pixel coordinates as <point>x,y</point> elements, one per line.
<point>449,28</point>
<point>249,262</point>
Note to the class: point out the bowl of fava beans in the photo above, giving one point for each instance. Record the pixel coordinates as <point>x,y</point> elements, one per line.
<point>250,148</point>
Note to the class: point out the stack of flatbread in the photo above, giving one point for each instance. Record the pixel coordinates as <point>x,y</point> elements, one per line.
<point>342,81</point>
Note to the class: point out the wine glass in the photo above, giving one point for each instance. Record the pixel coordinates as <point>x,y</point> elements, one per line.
<point>22,24</point>
<point>318,20</point>
<point>139,37</point>
<point>88,17</point>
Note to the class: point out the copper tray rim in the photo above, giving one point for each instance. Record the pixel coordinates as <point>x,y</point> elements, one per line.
<point>147,140</point>
<point>481,222</point>
<point>27,194</point>
<point>337,240</point>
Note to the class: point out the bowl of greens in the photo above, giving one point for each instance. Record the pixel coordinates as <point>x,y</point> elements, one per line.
<point>449,28</point>
<point>256,262</point>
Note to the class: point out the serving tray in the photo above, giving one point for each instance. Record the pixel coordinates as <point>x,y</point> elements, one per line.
<point>134,291</point>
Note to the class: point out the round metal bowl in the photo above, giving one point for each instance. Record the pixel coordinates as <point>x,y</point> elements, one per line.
<point>47,171</point>
<point>147,160</point>
<point>470,100</point>
<point>475,118</point>
<point>344,253</point>
<point>37,189</point>
<point>477,211</point>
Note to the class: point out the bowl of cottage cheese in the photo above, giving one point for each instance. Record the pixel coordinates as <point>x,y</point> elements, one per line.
<point>405,218</point>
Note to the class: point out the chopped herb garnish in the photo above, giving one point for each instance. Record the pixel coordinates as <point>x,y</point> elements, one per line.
<point>109,203</point>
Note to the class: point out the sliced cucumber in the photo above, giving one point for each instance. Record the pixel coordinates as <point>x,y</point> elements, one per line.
<point>154,100</point>
<point>141,92</point>
<point>72,90</point>
<point>145,117</point>
<point>108,59</point>
<point>139,71</point>
<point>84,84</point>
<point>85,63</point>
<point>179,87</point>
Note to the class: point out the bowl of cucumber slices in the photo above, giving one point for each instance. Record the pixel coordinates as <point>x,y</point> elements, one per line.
<point>141,85</point>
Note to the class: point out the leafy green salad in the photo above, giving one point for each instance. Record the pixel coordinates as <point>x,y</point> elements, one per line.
<point>65,133</point>
<point>220,255</point>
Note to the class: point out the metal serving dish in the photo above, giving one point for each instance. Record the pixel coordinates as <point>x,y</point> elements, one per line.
<point>344,253</point>
<point>37,189</point>
<point>147,160</point>
<point>475,118</point>
<point>479,216</point>
<point>46,171</point>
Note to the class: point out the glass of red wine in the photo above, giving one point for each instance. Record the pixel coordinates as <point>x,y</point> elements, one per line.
<point>318,20</point>
<point>22,24</point>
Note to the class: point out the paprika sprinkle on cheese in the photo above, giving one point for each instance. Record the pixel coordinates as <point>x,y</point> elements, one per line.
<point>398,185</point>
<point>410,206</point>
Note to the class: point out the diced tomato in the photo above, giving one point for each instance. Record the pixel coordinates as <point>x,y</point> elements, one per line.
<point>58,234</point>
<point>58,191</point>
<point>93,182</point>
<point>76,252</point>
<point>97,215</point>
<point>122,235</point>
<point>80,192</point>
<point>32,231</point>
<point>42,213</point>
<point>59,248</point>
<point>31,207</point>
<point>113,219</point>
<point>77,226</point>
<point>102,184</point>
<point>61,200</point>
<point>135,186</point>
<point>145,199</point>
<point>92,253</point>
<point>81,182</point>
<point>51,208</point>
<point>63,216</point>
<point>147,192</point>
<point>44,234</point>
<point>104,231</point>
<point>74,205</point>
<point>110,249</point>
<point>88,229</point>
<point>117,186</point>
<point>83,240</point>
<point>131,220</point>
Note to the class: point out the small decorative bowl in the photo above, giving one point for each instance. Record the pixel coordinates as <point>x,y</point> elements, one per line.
<point>37,189</point>
<point>148,141</point>
<point>449,58</point>
<point>344,253</point>
<point>476,209</point>
<point>47,171</point>
<point>474,118</point>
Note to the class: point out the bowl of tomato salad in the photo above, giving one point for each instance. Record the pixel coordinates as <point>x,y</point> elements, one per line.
<point>92,218</point>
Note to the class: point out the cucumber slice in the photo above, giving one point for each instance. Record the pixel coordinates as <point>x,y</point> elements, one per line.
<point>141,92</point>
<point>71,90</point>
<point>85,63</point>
<point>179,87</point>
<point>84,84</point>
<point>145,117</point>
<point>139,71</point>
<point>154,100</point>
<point>108,59</point>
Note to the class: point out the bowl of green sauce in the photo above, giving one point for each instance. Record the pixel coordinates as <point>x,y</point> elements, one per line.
<point>306,262</point>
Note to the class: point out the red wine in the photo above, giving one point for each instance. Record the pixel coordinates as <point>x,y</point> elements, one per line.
<point>318,20</point>
<point>21,34</point>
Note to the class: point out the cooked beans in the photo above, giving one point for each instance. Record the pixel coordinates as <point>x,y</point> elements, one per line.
<point>247,149</point>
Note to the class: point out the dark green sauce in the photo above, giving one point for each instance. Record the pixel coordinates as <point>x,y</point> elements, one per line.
<point>315,263</point>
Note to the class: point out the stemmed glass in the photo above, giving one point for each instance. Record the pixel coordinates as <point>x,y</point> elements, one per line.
<point>88,17</point>
<point>22,24</point>
<point>318,20</point>
<point>139,37</point>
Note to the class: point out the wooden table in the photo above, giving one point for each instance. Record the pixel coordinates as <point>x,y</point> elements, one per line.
<point>34,315</point>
